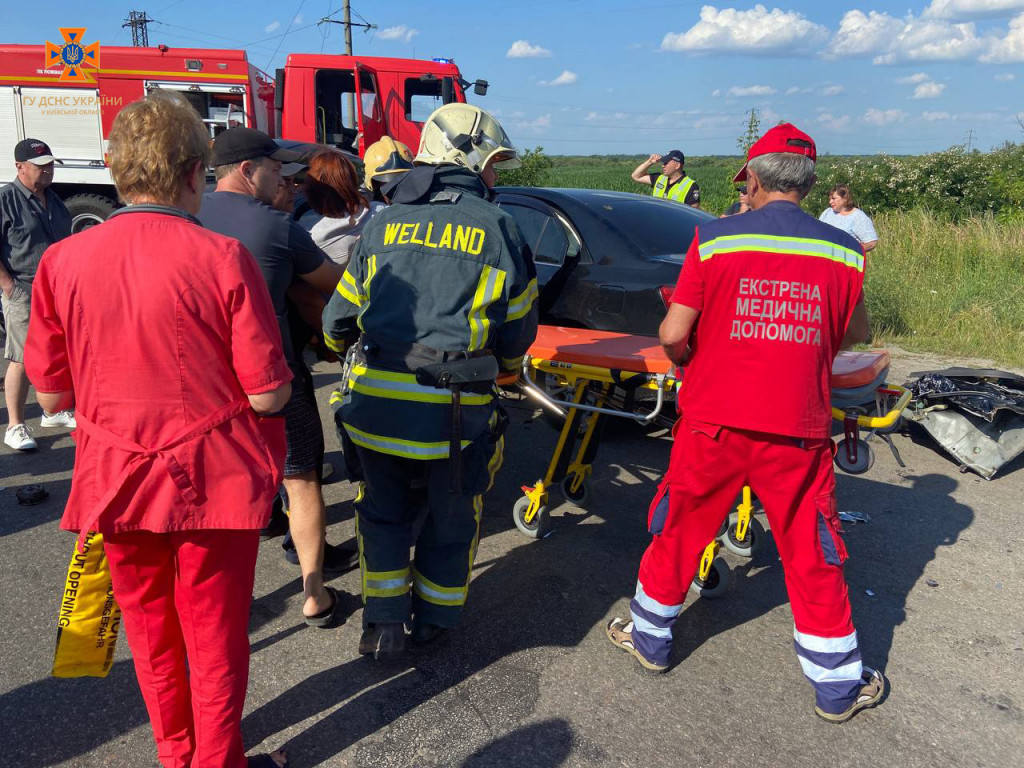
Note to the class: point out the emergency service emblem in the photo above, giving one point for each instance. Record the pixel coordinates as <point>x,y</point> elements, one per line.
<point>73,56</point>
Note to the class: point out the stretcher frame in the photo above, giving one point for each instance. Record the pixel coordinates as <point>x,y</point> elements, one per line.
<point>741,533</point>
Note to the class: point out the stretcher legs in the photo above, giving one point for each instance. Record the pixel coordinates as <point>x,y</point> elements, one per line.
<point>742,534</point>
<point>531,510</point>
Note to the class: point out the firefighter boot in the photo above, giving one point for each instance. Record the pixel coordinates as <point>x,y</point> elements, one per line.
<point>383,641</point>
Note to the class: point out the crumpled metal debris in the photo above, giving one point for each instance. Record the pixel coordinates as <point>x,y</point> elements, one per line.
<point>855,517</point>
<point>975,414</point>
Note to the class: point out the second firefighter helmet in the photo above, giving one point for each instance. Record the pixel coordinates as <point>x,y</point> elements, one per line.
<point>465,135</point>
<point>386,157</point>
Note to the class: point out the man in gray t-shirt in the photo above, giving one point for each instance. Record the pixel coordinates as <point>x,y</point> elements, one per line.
<point>32,218</point>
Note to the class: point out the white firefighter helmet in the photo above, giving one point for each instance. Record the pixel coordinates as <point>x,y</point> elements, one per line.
<point>467,136</point>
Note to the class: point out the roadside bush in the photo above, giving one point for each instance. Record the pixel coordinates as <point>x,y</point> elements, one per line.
<point>533,173</point>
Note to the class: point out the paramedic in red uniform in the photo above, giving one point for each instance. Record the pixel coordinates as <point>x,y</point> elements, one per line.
<point>778,294</point>
<point>162,336</point>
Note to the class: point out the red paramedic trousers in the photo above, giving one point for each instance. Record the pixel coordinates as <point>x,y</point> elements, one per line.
<point>795,482</point>
<point>185,599</point>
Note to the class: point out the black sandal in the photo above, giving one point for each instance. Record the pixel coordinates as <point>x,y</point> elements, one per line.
<point>264,761</point>
<point>325,619</point>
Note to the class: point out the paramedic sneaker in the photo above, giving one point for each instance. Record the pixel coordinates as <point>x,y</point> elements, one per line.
<point>59,419</point>
<point>20,438</point>
<point>871,691</point>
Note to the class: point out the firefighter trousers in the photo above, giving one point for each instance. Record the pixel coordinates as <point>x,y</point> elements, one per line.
<point>795,482</point>
<point>394,494</point>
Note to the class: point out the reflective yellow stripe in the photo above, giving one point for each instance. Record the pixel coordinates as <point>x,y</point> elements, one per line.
<point>335,344</point>
<point>511,363</point>
<point>371,270</point>
<point>386,583</point>
<point>403,386</point>
<point>822,249</point>
<point>393,446</point>
<point>488,290</point>
<point>520,306</point>
<point>349,289</point>
<point>435,593</point>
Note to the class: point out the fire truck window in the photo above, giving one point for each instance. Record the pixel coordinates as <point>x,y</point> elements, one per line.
<point>422,97</point>
<point>219,111</point>
<point>335,102</point>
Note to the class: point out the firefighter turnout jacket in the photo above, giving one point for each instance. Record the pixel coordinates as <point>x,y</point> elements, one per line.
<point>442,272</point>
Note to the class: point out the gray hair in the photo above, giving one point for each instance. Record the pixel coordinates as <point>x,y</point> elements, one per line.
<point>784,172</point>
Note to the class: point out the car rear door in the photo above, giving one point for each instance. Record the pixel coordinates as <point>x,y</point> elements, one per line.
<point>554,243</point>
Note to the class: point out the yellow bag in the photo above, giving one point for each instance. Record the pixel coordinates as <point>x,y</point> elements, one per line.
<point>89,618</point>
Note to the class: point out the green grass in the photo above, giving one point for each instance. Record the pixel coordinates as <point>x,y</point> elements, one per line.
<point>934,284</point>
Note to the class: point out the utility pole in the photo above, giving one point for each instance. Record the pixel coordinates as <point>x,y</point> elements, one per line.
<point>970,140</point>
<point>138,20</point>
<point>346,10</point>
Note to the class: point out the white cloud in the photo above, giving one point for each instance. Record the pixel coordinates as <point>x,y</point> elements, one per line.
<point>716,93</point>
<point>929,90</point>
<point>880,117</point>
<point>1009,48</point>
<point>891,40</point>
<point>757,31</point>
<point>863,34</point>
<point>832,123</point>
<point>932,117</point>
<point>401,32</point>
<point>833,90</point>
<point>298,19</point>
<point>964,9</point>
<point>1005,77</point>
<point>751,90</point>
<point>272,26</point>
<point>566,78</point>
<point>915,79</point>
<point>521,49</point>
<point>793,90</point>
<point>591,116</point>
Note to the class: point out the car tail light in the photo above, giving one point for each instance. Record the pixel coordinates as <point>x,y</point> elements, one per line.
<point>666,294</point>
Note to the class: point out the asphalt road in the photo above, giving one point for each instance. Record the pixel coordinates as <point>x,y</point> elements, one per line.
<point>530,679</point>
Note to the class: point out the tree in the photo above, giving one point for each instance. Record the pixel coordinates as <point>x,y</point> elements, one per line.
<point>752,133</point>
<point>533,173</point>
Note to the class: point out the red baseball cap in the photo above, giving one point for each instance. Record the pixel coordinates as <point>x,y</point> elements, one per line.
<point>782,138</point>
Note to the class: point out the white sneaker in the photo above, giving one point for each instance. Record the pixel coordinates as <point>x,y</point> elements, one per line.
<point>20,438</point>
<point>59,419</point>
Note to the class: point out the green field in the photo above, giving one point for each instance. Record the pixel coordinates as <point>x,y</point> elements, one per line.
<point>948,274</point>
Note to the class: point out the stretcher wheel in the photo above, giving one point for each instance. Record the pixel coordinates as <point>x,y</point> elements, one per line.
<point>535,528</point>
<point>717,582</point>
<point>865,458</point>
<point>578,497</point>
<point>751,543</point>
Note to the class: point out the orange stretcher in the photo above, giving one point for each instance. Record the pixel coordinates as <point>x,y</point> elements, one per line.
<point>591,364</point>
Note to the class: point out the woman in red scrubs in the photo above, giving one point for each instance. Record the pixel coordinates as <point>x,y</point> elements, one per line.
<point>162,336</point>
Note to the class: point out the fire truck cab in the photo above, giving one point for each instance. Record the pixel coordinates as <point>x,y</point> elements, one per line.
<point>357,100</point>
<point>342,101</point>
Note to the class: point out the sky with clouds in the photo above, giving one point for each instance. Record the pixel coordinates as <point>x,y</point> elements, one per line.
<point>603,76</point>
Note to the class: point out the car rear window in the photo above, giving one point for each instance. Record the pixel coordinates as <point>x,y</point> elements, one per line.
<point>662,230</point>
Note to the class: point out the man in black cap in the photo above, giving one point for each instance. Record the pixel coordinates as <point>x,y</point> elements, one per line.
<point>247,164</point>
<point>32,218</point>
<point>672,183</point>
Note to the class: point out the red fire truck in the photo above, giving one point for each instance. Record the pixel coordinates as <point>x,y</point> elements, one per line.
<point>343,101</point>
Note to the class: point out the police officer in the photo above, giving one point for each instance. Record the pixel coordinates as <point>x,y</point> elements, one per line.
<point>442,288</point>
<point>775,290</point>
<point>672,183</point>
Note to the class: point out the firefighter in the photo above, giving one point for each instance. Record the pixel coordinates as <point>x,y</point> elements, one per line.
<point>442,288</point>
<point>672,183</point>
<point>383,160</point>
<point>775,291</point>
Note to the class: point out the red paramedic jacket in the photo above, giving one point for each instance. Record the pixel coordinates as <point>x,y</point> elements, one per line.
<point>776,289</point>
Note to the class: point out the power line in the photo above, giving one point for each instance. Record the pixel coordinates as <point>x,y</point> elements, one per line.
<point>347,23</point>
<point>287,31</point>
